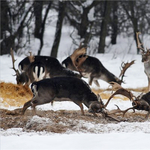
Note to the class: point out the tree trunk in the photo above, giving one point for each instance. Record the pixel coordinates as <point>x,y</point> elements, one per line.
<point>38,7</point>
<point>103,32</point>
<point>134,21</point>
<point>42,28</point>
<point>131,14</point>
<point>85,23</point>
<point>61,14</point>
<point>114,23</point>
<point>9,42</point>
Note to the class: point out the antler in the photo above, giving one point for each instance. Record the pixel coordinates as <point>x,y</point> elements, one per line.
<point>78,57</point>
<point>124,67</point>
<point>115,86</point>
<point>13,63</point>
<point>139,44</point>
<point>118,110</point>
<point>31,57</point>
<point>123,92</point>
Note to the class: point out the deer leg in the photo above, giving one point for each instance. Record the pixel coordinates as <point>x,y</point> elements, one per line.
<point>96,82</point>
<point>90,80</point>
<point>147,115</point>
<point>148,84</point>
<point>33,110</point>
<point>26,105</point>
<point>81,106</point>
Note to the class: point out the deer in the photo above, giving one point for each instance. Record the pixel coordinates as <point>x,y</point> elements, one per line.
<point>35,68</point>
<point>145,58</point>
<point>33,71</point>
<point>69,88</point>
<point>140,102</point>
<point>92,68</point>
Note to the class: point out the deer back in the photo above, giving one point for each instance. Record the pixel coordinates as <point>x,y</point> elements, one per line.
<point>68,64</point>
<point>146,97</point>
<point>46,60</point>
<point>93,66</point>
<point>43,67</point>
<point>72,88</point>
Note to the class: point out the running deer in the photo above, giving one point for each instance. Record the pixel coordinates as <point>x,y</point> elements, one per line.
<point>145,58</point>
<point>91,68</point>
<point>35,68</point>
<point>69,88</point>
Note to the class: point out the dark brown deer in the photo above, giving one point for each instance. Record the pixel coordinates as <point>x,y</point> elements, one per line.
<point>35,68</point>
<point>33,71</point>
<point>145,58</point>
<point>92,68</point>
<point>141,102</point>
<point>70,88</point>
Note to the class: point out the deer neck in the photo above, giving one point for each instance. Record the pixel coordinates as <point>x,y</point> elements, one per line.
<point>147,64</point>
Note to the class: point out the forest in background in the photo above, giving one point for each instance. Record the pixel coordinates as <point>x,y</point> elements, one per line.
<point>89,19</point>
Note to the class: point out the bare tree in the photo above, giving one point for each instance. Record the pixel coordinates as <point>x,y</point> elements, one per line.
<point>136,12</point>
<point>39,22</point>
<point>114,22</point>
<point>38,7</point>
<point>57,38</point>
<point>78,17</point>
<point>15,32</point>
<point>105,20</point>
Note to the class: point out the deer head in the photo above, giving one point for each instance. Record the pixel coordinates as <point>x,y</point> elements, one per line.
<point>20,78</point>
<point>145,58</point>
<point>24,77</point>
<point>145,53</point>
<point>139,102</point>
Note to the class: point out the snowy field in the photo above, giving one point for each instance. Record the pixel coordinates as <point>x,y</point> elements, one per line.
<point>111,136</point>
<point>119,136</point>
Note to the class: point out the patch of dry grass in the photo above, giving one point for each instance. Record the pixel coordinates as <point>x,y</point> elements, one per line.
<point>16,95</point>
<point>108,94</point>
<point>13,94</point>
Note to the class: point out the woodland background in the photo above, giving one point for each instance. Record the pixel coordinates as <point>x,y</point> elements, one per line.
<point>90,20</point>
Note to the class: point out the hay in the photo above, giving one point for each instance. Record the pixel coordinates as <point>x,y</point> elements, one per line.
<point>109,92</point>
<point>14,95</point>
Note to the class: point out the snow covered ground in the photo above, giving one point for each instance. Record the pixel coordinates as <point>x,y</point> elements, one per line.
<point>77,141</point>
<point>122,135</point>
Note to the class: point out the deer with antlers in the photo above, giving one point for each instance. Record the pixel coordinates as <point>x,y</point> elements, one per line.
<point>90,67</point>
<point>145,58</point>
<point>30,72</point>
<point>141,102</point>
<point>35,68</point>
<point>71,88</point>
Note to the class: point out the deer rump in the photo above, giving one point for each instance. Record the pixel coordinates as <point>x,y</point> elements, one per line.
<point>42,67</point>
<point>93,69</point>
<point>74,89</point>
<point>45,60</point>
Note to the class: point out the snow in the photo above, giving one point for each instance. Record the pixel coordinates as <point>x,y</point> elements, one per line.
<point>124,135</point>
<point>80,141</point>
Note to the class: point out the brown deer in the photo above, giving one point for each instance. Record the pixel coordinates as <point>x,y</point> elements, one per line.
<point>141,102</point>
<point>91,68</point>
<point>145,58</point>
<point>35,68</point>
<point>70,88</point>
<point>30,73</point>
